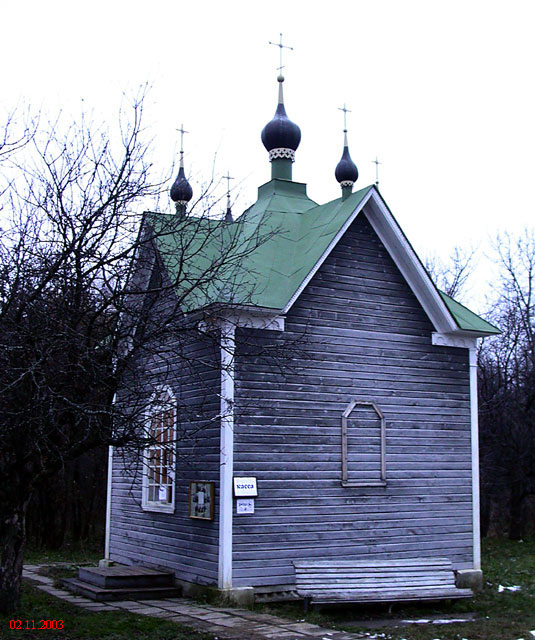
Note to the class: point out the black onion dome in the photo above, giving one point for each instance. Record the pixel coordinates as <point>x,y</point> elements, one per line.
<point>346,170</point>
<point>181,190</point>
<point>281,132</point>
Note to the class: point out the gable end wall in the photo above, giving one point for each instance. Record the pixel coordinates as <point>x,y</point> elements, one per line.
<point>363,335</point>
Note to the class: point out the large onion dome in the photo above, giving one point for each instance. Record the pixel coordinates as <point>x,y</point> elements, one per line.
<point>346,172</point>
<point>181,191</point>
<point>281,136</point>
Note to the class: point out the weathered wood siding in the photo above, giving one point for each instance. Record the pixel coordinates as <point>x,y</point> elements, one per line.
<point>187,546</point>
<point>366,337</point>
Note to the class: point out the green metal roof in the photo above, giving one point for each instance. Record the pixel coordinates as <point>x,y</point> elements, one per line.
<point>269,250</point>
<point>263,258</point>
<point>283,261</point>
<point>466,319</point>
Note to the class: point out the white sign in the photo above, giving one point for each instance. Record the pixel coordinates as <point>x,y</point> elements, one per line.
<point>244,506</point>
<point>162,494</point>
<point>245,488</point>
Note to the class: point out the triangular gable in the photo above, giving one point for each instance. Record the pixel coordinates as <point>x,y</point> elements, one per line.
<point>441,314</point>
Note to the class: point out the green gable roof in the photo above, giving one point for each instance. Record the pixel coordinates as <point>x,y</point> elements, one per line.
<point>297,242</point>
<point>263,258</point>
<point>273,247</point>
<point>466,319</point>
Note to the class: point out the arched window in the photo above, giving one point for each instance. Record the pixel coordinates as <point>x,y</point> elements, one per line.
<point>158,489</point>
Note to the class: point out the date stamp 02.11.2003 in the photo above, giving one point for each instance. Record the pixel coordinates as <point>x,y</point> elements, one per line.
<point>27,625</point>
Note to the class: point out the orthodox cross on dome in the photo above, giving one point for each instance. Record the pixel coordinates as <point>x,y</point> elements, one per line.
<point>182,131</point>
<point>376,163</point>
<point>228,178</point>
<point>228,215</point>
<point>281,47</point>
<point>346,111</point>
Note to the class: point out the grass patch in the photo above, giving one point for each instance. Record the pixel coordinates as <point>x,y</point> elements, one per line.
<point>88,552</point>
<point>499,616</point>
<point>81,624</point>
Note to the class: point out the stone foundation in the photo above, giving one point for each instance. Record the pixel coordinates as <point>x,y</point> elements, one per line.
<point>469,579</point>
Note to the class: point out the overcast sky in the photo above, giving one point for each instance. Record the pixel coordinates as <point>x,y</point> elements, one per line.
<point>442,92</point>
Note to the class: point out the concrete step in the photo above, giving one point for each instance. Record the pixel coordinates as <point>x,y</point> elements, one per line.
<point>124,577</point>
<point>102,594</point>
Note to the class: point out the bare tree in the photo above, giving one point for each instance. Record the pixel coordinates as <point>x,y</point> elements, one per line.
<point>507,382</point>
<point>452,276</point>
<point>95,303</point>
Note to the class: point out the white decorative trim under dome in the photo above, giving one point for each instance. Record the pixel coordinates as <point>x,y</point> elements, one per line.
<point>347,183</point>
<point>282,152</point>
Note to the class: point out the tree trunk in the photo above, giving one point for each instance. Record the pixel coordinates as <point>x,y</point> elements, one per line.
<point>12,539</point>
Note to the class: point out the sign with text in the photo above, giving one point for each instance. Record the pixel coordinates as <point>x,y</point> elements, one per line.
<point>244,506</point>
<point>245,488</point>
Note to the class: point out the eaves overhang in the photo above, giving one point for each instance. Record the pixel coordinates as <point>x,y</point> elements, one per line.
<point>243,316</point>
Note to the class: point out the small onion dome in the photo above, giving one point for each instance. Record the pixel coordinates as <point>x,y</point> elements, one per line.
<point>346,171</point>
<point>181,191</point>
<point>281,136</point>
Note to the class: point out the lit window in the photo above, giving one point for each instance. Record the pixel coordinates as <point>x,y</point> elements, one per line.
<point>159,457</point>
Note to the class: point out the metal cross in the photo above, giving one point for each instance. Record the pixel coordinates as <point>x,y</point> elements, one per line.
<point>228,178</point>
<point>182,132</point>
<point>376,163</point>
<point>281,47</point>
<point>346,111</point>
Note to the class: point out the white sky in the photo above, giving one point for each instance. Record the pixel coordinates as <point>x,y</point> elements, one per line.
<point>442,91</point>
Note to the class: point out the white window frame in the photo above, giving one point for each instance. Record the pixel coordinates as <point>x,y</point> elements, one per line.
<point>156,407</point>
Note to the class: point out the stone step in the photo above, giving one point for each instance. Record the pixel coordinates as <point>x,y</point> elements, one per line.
<point>124,577</point>
<point>102,594</point>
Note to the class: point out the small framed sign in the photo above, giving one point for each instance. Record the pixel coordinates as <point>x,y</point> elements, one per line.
<point>244,506</point>
<point>245,488</point>
<point>201,500</point>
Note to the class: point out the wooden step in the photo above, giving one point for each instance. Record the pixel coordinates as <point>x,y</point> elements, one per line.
<point>101,594</point>
<point>122,576</point>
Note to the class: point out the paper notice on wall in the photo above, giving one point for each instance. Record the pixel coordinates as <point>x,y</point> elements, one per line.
<point>200,498</point>
<point>162,494</point>
<point>244,506</point>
